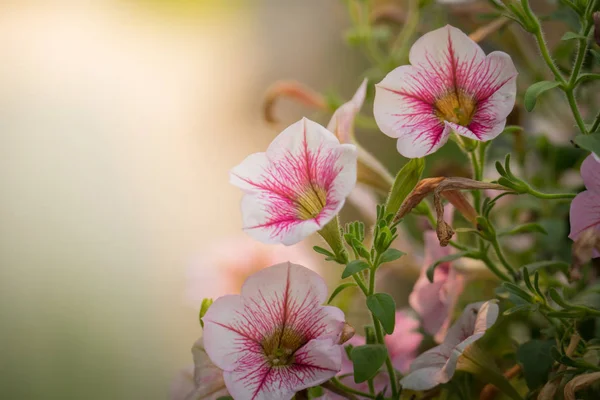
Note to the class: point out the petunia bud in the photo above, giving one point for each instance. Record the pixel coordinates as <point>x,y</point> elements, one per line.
<point>597,27</point>
<point>347,333</point>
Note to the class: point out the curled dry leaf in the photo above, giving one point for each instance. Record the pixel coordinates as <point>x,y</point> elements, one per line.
<point>294,90</point>
<point>580,382</point>
<point>450,189</point>
<point>548,392</point>
<point>347,333</point>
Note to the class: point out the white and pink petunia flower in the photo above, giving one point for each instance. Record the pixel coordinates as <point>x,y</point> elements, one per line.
<point>275,338</point>
<point>435,301</point>
<point>437,365</point>
<point>202,381</point>
<point>585,207</point>
<point>224,264</point>
<point>450,86</point>
<point>297,186</point>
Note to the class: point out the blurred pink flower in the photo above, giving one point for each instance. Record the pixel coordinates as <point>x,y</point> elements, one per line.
<point>437,365</point>
<point>225,264</point>
<point>585,207</point>
<point>202,381</point>
<point>275,338</point>
<point>402,346</point>
<point>297,186</point>
<point>450,86</point>
<point>435,302</point>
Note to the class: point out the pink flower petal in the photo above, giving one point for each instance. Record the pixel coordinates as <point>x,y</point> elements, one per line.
<point>450,86</point>
<point>437,365</point>
<point>304,165</point>
<point>284,297</point>
<point>342,120</point>
<point>590,172</point>
<point>585,212</point>
<point>403,109</point>
<point>404,342</point>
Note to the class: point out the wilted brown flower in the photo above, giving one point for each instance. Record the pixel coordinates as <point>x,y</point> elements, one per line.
<point>294,90</point>
<point>347,333</point>
<point>450,189</point>
<point>580,382</point>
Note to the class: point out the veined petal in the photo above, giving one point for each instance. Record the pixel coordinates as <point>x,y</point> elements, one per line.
<point>404,109</point>
<point>342,120</point>
<point>208,378</point>
<point>427,370</point>
<point>315,363</point>
<point>590,172</point>
<point>297,186</point>
<point>585,212</point>
<point>475,320</point>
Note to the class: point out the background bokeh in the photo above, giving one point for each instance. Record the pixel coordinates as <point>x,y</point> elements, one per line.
<point>118,123</point>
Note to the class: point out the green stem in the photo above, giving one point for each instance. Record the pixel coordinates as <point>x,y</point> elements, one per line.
<point>379,335</point>
<point>596,124</point>
<point>361,284</point>
<point>492,376</point>
<point>348,389</point>
<point>546,54</point>
<point>575,111</point>
<point>551,196</point>
<point>502,259</point>
<point>492,267</point>
<point>371,386</point>
<point>401,45</point>
<point>477,175</point>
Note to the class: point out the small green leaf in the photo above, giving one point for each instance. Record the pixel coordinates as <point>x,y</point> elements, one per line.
<point>448,258</point>
<point>535,90</point>
<point>517,291</point>
<point>572,35</point>
<point>354,267</point>
<point>206,303</point>
<point>323,251</point>
<point>525,228</point>
<point>536,359</point>
<point>367,360</point>
<point>589,142</point>
<point>406,179</point>
<point>383,307</point>
<point>390,255</point>
<point>339,289</point>
<point>522,307</point>
<point>225,398</point>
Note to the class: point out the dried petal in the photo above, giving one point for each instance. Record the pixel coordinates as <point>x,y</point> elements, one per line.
<point>580,382</point>
<point>294,90</point>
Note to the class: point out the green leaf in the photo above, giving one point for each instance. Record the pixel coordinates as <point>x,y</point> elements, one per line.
<point>367,360</point>
<point>339,289</point>
<point>535,90</point>
<point>522,307</point>
<point>517,291</point>
<point>225,398</point>
<point>383,307</point>
<point>525,228</point>
<point>390,255</point>
<point>572,35</point>
<point>589,142</point>
<point>315,392</point>
<point>323,251</point>
<point>536,359</point>
<point>406,179</point>
<point>354,267</point>
<point>448,258</point>
<point>206,303</point>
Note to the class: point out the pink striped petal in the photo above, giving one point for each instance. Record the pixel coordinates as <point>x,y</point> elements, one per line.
<point>279,308</point>
<point>297,186</point>
<point>585,212</point>
<point>342,120</point>
<point>450,86</point>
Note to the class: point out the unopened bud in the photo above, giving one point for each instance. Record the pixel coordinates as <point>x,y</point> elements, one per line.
<point>597,27</point>
<point>347,333</point>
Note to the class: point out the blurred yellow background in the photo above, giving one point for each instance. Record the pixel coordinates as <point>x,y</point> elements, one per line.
<point>118,123</point>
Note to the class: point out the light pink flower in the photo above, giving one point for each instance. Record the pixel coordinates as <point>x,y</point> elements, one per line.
<point>202,381</point>
<point>435,301</point>
<point>369,170</point>
<point>275,338</point>
<point>297,186</point>
<point>585,207</point>
<point>224,265</point>
<point>437,365</point>
<point>451,85</point>
<point>402,347</point>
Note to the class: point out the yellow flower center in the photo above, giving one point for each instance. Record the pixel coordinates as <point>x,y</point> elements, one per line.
<point>456,107</point>
<point>311,202</point>
<point>279,346</point>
